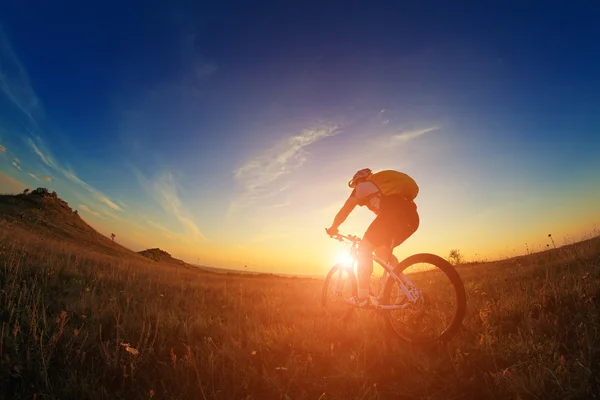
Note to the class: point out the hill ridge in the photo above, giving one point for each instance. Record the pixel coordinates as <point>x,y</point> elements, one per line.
<point>46,214</point>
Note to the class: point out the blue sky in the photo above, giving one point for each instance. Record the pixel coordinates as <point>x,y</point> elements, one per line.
<point>226,134</point>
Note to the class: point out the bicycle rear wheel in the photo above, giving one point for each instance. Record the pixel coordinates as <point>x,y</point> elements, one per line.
<point>440,307</point>
<point>340,284</point>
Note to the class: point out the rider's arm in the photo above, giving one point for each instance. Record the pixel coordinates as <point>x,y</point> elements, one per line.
<point>345,211</point>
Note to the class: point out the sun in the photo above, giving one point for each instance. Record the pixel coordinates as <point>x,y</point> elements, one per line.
<point>345,259</point>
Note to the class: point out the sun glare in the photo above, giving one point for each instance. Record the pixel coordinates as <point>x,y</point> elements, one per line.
<point>345,258</point>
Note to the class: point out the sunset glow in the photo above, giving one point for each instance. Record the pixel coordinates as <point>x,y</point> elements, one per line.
<point>230,145</point>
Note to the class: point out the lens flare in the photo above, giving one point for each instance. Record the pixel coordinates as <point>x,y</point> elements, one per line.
<point>345,258</point>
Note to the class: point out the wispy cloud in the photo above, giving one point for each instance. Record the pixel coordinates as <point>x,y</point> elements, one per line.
<point>16,165</point>
<point>47,159</point>
<point>14,80</point>
<point>101,197</point>
<point>97,194</point>
<point>90,211</point>
<point>166,232</point>
<point>33,176</point>
<point>157,226</point>
<point>73,178</point>
<point>2,149</point>
<point>405,136</point>
<point>165,192</point>
<point>204,68</point>
<point>109,214</point>
<point>194,62</point>
<point>163,189</point>
<point>16,86</point>
<point>258,173</point>
<point>281,205</point>
<point>47,178</point>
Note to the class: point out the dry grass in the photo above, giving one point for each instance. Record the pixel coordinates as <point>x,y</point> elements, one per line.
<point>75,323</point>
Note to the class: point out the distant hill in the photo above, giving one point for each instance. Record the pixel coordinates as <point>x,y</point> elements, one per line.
<point>159,255</point>
<point>44,213</point>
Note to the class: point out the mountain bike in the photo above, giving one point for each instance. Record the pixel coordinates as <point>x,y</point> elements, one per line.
<point>422,299</point>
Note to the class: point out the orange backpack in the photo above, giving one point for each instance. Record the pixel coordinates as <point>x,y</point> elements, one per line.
<point>392,182</point>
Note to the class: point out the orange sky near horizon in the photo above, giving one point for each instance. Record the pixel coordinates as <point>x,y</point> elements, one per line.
<point>308,251</point>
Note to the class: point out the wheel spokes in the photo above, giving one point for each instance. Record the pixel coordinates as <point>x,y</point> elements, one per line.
<point>339,285</point>
<point>433,308</point>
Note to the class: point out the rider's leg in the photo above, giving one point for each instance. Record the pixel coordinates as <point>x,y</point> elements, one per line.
<point>365,267</point>
<point>403,223</point>
<point>375,235</point>
<point>385,252</point>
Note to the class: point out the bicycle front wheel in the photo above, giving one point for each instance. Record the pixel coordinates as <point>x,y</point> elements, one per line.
<point>339,285</point>
<point>440,304</point>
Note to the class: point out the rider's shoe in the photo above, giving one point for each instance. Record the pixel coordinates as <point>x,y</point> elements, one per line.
<point>356,301</point>
<point>374,301</point>
<point>368,302</point>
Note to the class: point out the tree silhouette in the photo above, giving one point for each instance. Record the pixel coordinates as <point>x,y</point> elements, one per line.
<point>455,258</point>
<point>552,239</point>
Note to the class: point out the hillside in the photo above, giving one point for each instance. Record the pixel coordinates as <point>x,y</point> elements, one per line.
<point>45,214</point>
<point>82,325</point>
<point>85,324</point>
<point>159,255</point>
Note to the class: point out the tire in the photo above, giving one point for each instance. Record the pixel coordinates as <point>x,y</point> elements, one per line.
<point>415,315</point>
<point>334,303</point>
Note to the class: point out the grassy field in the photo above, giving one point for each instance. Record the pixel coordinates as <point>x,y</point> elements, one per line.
<point>77,323</point>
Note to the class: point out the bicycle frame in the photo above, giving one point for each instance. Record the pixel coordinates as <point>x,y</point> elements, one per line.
<point>410,290</point>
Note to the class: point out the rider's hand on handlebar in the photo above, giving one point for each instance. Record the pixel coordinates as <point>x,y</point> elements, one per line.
<point>332,231</point>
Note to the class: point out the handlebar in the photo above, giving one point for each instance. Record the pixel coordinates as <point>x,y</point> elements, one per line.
<point>350,238</point>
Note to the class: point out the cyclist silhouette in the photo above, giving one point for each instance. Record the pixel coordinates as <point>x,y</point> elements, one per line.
<point>390,195</point>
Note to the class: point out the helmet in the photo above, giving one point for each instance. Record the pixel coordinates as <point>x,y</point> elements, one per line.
<point>362,174</point>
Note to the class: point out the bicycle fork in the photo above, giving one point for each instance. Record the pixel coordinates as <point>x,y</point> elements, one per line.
<point>338,285</point>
